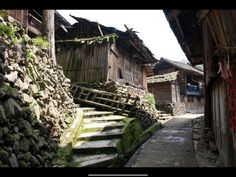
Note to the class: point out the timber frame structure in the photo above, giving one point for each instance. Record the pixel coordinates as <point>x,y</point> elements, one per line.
<point>208,37</point>
<point>91,52</point>
<point>178,87</point>
<point>31,20</point>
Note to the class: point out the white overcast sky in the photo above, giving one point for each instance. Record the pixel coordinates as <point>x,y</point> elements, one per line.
<point>152,26</point>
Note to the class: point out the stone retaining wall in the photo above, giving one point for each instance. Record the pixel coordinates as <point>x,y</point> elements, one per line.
<point>172,108</point>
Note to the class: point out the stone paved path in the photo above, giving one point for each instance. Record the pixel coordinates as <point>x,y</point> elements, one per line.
<point>171,146</point>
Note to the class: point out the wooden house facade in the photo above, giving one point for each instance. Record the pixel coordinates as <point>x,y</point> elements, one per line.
<point>208,37</point>
<point>178,87</point>
<point>31,20</point>
<point>94,53</point>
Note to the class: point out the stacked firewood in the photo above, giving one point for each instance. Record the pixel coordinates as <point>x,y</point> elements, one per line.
<point>145,109</point>
<point>35,102</point>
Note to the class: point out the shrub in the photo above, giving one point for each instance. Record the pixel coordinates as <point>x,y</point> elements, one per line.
<point>41,41</point>
<point>151,99</point>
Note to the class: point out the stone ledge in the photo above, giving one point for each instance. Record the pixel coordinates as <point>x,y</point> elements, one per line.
<point>70,134</point>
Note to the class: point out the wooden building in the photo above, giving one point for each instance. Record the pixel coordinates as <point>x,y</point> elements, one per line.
<point>91,52</point>
<point>208,37</point>
<point>178,87</point>
<point>31,20</point>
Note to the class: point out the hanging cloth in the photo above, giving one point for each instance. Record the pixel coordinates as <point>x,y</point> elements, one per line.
<point>227,74</point>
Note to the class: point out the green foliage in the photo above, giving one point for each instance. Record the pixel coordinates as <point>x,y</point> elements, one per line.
<point>10,31</point>
<point>29,55</point>
<point>98,39</point>
<point>151,99</point>
<point>41,41</point>
<point>26,39</point>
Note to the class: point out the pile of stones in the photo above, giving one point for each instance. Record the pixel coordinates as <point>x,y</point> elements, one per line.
<point>35,100</point>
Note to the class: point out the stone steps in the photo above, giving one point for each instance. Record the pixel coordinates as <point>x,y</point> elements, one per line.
<point>91,114</point>
<point>97,160</point>
<point>160,112</point>
<point>99,137</point>
<point>87,109</point>
<point>94,147</point>
<point>108,134</point>
<point>98,126</point>
<point>104,118</point>
<point>164,115</point>
<point>165,118</point>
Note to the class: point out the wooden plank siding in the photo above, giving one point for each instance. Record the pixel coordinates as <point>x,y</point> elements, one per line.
<point>20,15</point>
<point>162,92</point>
<point>99,63</point>
<point>131,70</point>
<point>221,124</point>
<point>145,75</point>
<point>84,63</point>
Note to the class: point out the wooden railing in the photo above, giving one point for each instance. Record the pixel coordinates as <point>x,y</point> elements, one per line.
<point>105,100</point>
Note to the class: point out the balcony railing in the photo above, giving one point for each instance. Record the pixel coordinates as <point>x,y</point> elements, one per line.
<point>193,90</point>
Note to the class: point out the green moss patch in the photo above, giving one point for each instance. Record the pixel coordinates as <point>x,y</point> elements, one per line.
<point>64,156</point>
<point>132,135</point>
<point>150,131</point>
<point>71,134</point>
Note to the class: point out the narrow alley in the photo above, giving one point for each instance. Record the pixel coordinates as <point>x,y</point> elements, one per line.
<point>171,146</point>
<point>117,88</point>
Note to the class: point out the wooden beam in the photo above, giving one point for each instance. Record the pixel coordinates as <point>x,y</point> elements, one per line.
<point>34,30</point>
<point>201,15</point>
<point>114,52</point>
<point>99,104</point>
<point>175,14</point>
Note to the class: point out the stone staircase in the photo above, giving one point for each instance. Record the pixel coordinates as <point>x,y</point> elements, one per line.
<point>97,144</point>
<point>164,116</point>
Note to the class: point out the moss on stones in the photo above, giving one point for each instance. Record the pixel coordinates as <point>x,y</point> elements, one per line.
<point>132,135</point>
<point>64,156</point>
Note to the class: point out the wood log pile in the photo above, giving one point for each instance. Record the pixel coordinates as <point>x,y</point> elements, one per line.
<point>35,102</point>
<point>144,110</point>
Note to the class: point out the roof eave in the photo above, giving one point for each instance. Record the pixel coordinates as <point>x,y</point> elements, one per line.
<point>182,42</point>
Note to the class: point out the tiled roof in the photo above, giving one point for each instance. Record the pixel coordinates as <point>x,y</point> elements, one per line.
<point>183,66</point>
<point>163,78</point>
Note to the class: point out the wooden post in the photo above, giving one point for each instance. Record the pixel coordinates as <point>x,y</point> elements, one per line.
<point>49,31</point>
<point>207,57</point>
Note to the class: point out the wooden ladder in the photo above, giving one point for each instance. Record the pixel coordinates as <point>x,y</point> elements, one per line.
<point>106,100</point>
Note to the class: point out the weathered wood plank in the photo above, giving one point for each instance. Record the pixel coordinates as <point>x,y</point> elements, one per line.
<point>99,104</point>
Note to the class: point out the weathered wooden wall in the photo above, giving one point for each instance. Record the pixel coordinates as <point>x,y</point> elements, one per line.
<point>145,75</point>
<point>122,66</point>
<point>162,92</point>
<point>217,106</point>
<point>220,116</point>
<point>219,101</point>
<point>20,15</point>
<point>84,63</point>
<point>175,91</point>
<point>195,106</point>
<point>182,79</point>
<point>99,63</point>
